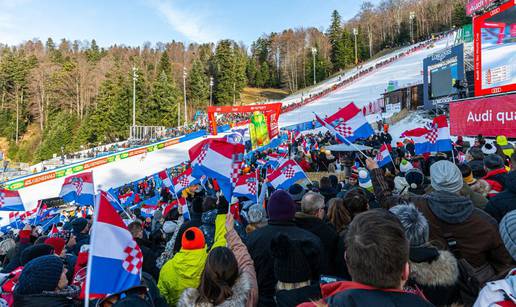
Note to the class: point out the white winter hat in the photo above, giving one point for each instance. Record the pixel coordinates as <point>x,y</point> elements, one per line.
<point>169,227</point>
<point>405,166</point>
<point>488,149</point>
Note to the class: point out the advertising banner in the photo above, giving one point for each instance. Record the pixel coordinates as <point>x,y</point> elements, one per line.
<point>475,5</point>
<point>495,50</point>
<point>490,116</point>
<point>258,130</point>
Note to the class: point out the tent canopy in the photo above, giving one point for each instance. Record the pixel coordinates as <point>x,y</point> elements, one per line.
<point>345,147</point>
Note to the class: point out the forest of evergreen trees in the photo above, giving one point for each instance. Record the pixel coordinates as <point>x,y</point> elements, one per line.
<point>72,93</point>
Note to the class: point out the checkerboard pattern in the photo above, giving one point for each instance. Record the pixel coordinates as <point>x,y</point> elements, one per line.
<point>432,135</point>
<point>235,168</point>
<point>289,172</point>
<point>344,129</point>
<point>134,258</point>
<point>2,196</point>
<point>202,154</point>
<point>251,184</point>
<point>184,182</point>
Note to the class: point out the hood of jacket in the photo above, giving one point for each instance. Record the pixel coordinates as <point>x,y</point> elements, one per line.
<point>450,207</point>
<point>501,140</point>
<point>510,182</point>
<point>208,217</point>
<point>241,290</point>
<point>441,271</point>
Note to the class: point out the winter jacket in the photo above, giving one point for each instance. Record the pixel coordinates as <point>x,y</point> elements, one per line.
<point>326,234</point>
<point>62,298</point>
<point>294,297</point>
<point>185,268</point>
<point>477,199</point>
<point>208,227</point>
<point>498,293</point>
<point>496,180</point>
<point>349,293</point>
<point>258,244</point>
<point>505,201</point>
<point>328,193</point>
<point>149,258</point>
<point>245,289</point>
<point>16,261</point>
<point>435,273</point>
<point>476,233</point>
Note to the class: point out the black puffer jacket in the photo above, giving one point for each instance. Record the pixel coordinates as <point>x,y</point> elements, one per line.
<point>258,244</point>
<point>504,202</point>
<point>435,273</point>
<point>326,234</point>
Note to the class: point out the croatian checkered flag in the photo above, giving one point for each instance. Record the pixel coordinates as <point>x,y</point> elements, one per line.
<point>286,175</point>
<point>435,137</point>
<point>115,259</point>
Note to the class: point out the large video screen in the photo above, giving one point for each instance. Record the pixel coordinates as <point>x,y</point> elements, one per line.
<point>443,78</point>
<point>495,51</point>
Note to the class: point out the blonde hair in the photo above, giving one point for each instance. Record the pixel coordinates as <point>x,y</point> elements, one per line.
<point>291,286</point>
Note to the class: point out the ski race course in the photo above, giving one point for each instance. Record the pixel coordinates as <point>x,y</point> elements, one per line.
<point>406,70</point>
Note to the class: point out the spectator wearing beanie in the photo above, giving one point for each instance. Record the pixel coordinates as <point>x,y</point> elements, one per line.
<point>311,218</point>
<point>415,181</point>
<point>185,268</point>
<point>496,174</point>
<point>503,202</point>
<point>293,265</point>
<point>80,229</point>
<point>228,278</point>
<point>433,271</point>
<point>296,192</point>
<point>475,232</point>
<point>400,182</point>
<point>195,221</point>
<point>281,210</point>
<point>43,282</point>
<point>475,160</point>
<point>500,292</point>
<point>23,243</point>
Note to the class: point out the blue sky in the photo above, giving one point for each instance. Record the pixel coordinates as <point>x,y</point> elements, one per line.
<point>133,22</point>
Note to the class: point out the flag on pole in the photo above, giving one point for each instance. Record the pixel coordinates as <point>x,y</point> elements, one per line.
<point>218,159</point>
<point>79,189</point>
<point>10,201</point>
<point>348,124</point>
<point>115,260</point>
<point>384,156</point>
<point>163,175</point>
<point>246,187</point>
<point>286,175</point>
<point>184,180</point>
<point>433,138</point>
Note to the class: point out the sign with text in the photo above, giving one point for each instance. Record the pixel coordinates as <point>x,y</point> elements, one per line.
<point>490,116</point>
<point>476,5</point>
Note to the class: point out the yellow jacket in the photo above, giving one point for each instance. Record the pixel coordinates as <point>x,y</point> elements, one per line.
<point>185,268</point>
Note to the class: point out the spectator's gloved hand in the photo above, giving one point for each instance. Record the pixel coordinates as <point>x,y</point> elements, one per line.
<point>222,205</point>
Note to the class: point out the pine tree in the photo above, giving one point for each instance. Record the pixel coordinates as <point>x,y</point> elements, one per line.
<point>266,75</point>
<point>198,85</point>
<point>163,102</point>
<point>459,17</point>
<point>94,53</point>
<point>251,71</point>
<point>224,67</point>
<point>337,46</point>
<point>164,65</point>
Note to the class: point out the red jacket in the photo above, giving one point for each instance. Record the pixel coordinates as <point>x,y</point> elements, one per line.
<point>496,180</point>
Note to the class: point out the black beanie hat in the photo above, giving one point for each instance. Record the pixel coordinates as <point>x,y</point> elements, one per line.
<point>35,251</point>
<point>493,162</point>
<point>40,274</point>
<point>415,178</point>
<point>79,224</point>
<point>290,263</point>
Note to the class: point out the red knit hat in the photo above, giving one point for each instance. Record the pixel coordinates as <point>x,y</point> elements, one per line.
<point>57,243</point>
<point>193,238</point>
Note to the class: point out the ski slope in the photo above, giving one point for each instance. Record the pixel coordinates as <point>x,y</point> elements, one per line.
<point>406,70</point>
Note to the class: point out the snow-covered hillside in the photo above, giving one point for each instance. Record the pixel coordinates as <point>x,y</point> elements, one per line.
<point>406,70</point>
